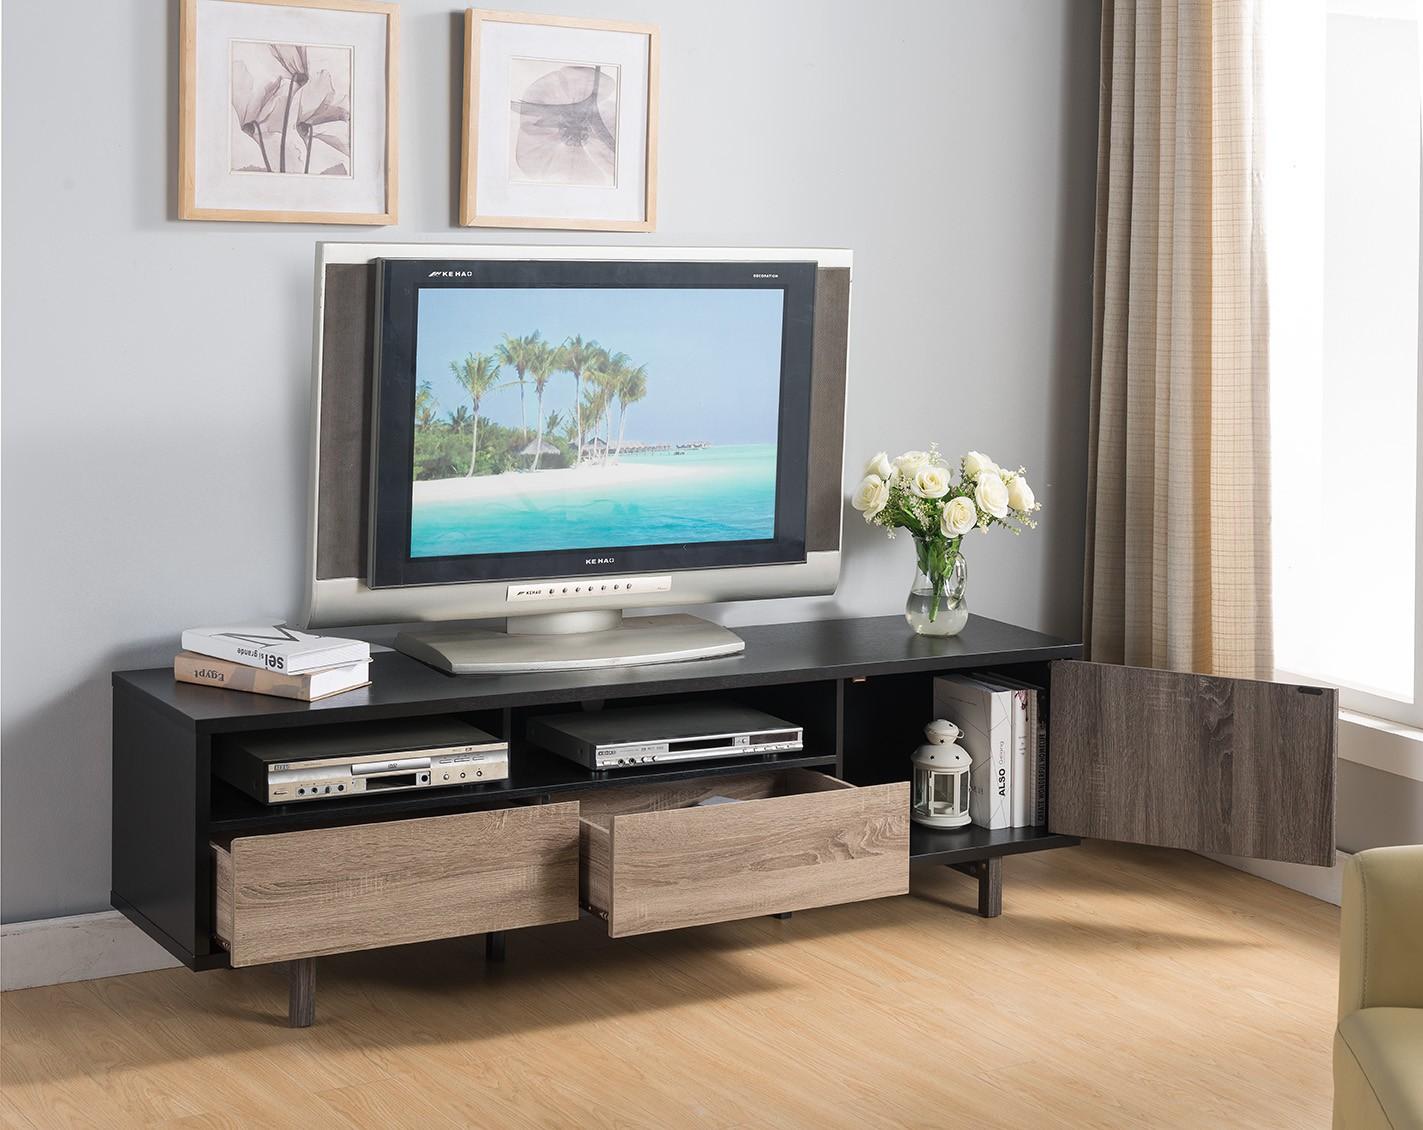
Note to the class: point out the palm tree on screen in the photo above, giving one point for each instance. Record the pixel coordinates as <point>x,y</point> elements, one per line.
<point>607,377</point>
<point>516,352</point>
<point>541,363</point>
<point>477,375</point>
<point>612,373</point>
<point>631,389</point>
<point>595,401</point>
<point>426,406</point>
<point>575,356</point>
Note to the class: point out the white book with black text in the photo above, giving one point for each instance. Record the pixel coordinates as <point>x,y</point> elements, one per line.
<point>1023,741</point>
<point>984,714</point>
<point>1032,757</point>
<point>275,647</point>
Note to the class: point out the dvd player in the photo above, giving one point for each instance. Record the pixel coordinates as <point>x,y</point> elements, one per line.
<point>651,735</point>
<point>331,762</point>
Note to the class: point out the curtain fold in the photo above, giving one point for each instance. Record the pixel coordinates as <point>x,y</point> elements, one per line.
<point>1178,524</point>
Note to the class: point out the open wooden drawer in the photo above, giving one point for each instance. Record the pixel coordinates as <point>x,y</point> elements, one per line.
<point>652,858</point>
<point>330,890</point>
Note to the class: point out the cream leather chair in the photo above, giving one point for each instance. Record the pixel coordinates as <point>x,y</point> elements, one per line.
<point>1378,1046</point>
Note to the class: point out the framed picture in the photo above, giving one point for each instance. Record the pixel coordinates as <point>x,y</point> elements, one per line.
<point>287,111</point>
<point>560,123</point>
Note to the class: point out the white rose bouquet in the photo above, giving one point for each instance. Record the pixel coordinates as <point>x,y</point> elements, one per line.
<point>939,504</point>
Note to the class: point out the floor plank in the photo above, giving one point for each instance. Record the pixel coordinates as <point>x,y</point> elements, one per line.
<point>1122,987</point>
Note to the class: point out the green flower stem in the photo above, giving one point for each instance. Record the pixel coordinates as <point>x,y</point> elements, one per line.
<point>937,555</point>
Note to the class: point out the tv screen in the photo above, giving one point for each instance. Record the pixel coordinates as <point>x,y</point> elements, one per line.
<point>540,419</point>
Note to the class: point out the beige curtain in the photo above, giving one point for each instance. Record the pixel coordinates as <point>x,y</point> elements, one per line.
<point>1178,523</point>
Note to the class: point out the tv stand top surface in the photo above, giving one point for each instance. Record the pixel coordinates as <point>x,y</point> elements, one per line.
<point>800,651</point>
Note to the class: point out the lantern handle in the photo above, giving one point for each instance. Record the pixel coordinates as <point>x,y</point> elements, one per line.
<point>942,732</point>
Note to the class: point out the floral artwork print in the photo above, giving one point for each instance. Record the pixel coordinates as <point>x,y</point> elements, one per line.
<point>564,123</point>
<point>291,106</point>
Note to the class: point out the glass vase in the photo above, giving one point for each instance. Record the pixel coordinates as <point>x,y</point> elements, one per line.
<point>936,604</point>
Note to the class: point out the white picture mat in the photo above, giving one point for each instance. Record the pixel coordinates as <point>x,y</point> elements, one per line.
<point>214,185</point>
<point>495,194</point>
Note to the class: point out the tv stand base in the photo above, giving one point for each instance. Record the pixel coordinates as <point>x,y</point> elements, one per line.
<point>612,642</point>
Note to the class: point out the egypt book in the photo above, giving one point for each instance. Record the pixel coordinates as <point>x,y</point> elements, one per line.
<point>190,667</point>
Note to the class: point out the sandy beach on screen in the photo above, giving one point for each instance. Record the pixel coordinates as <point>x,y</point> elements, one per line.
<point>512,483</point>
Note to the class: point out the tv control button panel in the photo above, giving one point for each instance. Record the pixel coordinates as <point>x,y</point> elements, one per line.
<point>586,588</point>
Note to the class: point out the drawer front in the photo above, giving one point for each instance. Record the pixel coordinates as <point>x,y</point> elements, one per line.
<point>331,890</point>
<point>662,870</point>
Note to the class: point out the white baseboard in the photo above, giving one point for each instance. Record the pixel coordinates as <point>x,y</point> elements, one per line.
<point>50,951</point>
<point>1323,883</point>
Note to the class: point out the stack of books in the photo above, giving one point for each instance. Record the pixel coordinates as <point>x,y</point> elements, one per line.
<point>272,659</point>
<point>1004,724</point>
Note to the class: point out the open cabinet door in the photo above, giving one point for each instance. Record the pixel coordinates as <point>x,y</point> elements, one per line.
<point>1192,761</point>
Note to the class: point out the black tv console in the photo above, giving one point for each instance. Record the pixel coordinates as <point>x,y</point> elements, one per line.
<point>221,880</point>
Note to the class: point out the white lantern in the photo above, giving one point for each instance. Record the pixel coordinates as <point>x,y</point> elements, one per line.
<point>940,792</point>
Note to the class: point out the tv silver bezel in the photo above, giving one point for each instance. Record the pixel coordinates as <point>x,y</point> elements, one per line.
<point>337,601</point>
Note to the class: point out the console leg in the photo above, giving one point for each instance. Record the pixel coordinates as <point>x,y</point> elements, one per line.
<point>782,916</point>
<point>494,946</point>
<point>301,992</point>
<point>989,873</point>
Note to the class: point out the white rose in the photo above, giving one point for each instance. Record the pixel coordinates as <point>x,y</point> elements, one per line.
<point>870,496</point>
<point>960,516</point>
<point>1020,495</point>
<point>975,463</point>
<point>991,496</point>
<point>909,463</point>
<point>930,481</point>
<point>881,466</point>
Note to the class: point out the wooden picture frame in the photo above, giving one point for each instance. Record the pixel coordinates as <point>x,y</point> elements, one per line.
<point>474,212</point>
<point>194,194</point>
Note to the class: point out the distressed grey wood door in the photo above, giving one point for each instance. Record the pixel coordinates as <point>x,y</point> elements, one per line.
<point>1192,761</point>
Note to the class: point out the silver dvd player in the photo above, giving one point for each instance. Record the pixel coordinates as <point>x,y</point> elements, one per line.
<point>331,762</point>
<point>650,735</point>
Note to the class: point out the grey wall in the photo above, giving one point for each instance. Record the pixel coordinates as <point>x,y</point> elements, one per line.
<point>1376,809</point>
<point>155,372</point>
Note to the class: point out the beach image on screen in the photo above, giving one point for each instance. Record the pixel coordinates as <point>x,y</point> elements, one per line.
<point>578,419</point>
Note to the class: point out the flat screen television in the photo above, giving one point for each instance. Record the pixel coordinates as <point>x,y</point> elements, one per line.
<point>539,419</point>
<point>554,436</point>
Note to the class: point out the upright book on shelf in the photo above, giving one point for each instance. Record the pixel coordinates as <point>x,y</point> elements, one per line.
<point>1036,790</point>
<point>1022,710</point>
<point>984,714</point>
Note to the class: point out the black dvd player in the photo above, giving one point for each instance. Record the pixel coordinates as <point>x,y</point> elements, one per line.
<point>649,735</point>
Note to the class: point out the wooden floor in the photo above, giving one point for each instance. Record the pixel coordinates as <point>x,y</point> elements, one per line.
<point>1122,987</point>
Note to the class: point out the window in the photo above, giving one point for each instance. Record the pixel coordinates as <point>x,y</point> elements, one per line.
<point>1342,102</point>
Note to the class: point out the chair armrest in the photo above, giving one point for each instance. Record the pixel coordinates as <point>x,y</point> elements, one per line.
<point>1381,937</point>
